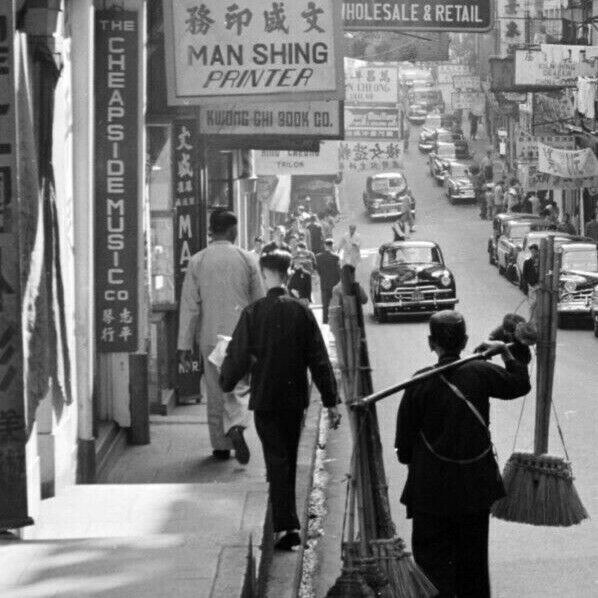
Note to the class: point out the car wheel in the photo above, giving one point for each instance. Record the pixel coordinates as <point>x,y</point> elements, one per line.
<point>522,286</point>
<point>501,270</point>
<point>490,257</point>
<point>382,316</point>
<point>562,321</point>
<point>596,328</point>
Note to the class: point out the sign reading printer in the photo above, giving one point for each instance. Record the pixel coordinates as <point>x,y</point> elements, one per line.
<point>257,48</point>
<point>427,15</point>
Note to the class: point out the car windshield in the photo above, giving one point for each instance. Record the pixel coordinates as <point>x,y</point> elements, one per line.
<point>389,184</point>
<point>446,150</point>
<point>395,256</point>
<point>423,95</point>
<point>585,260</point>
<point>432,121</point>
<point>518,230</point>
<point>459,170</point>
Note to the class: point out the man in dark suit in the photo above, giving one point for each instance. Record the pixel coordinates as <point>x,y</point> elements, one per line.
<point>328,267</point>
<point>277,340</point>
<point>453,479</point>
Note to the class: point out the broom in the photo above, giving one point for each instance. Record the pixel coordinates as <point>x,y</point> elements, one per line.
<point>539,486</point>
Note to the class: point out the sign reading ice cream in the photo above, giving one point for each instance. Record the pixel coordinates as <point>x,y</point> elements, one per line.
<point>258,48</point>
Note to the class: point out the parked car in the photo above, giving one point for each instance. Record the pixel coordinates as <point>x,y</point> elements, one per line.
<point>594,310</point>
<point>440,159</point>
<point>498,227</point>
<point>417,114</point>
<point>535,238</point>
<point>578,279</point>
<point>511,241</point>
<point>430,97</point>
<point>383,195</point>
<point>429,140</point>
<point>411,278</point>
<point>457,183</point>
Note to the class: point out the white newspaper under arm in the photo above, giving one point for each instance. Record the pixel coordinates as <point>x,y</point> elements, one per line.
<point>219,353</point>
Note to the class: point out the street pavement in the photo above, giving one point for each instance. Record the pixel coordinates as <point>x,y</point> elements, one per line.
<point>526,561</point>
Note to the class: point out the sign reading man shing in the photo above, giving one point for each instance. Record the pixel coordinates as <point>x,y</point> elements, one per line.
<point>256,48</point>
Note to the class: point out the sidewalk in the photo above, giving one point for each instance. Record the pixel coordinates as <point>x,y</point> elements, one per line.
<point>167,520</point>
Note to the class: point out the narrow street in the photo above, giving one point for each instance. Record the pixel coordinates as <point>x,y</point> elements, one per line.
<point>525,561</point>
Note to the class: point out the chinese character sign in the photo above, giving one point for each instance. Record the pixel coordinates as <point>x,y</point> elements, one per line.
<point>117,185</point>
<point>369,84</point>
<point>218,48</point>
<point>573,164</point>
<point>371,123</point>
<point>370,156</point>
<point>526,145</point>
<point>534,180</point>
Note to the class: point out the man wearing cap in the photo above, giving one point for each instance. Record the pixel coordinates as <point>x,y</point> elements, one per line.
<point>328,267</point>
<point>530,274</point>
<point>453,478</point>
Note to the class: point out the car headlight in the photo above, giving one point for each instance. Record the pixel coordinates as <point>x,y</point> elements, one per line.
<point>570,286</point>
<point>386,284</point>
<point>445,279</point>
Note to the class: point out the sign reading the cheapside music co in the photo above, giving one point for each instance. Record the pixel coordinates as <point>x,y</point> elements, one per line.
<point>431,15</point>
<point>258,48</point>
<point>298,119</point>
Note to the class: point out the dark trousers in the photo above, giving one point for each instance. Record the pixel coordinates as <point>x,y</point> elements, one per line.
<point>326,297</point>
<point>453,552</point>
<point>279,432</point>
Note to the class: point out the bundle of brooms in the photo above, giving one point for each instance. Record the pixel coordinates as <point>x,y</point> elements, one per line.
<point>539,486</point>
<point>375,562</point>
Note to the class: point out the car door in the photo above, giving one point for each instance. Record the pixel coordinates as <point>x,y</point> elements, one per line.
<point>522,256</point>
<point>503,248</point>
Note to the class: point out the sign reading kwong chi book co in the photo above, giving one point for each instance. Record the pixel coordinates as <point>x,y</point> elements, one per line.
<point>116,185</point>
<point>256,48</point>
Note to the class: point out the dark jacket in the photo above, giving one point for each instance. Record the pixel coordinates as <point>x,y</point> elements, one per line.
<point>530,272</point>
<point>328,267</point>
<point>316,237</point>
<point>438,486</point>
<point>276,340</point>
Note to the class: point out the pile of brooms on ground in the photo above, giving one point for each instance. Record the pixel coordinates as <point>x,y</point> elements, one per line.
<point>539,486</point>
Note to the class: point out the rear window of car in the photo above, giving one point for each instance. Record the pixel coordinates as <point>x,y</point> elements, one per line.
<point>385,185</point>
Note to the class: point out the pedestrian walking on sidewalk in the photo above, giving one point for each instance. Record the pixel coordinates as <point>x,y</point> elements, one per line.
<point>350,247</point>
<point>328,267</point>
<point>277,340</point>
<point>453,478</point>
<point>221,280</point>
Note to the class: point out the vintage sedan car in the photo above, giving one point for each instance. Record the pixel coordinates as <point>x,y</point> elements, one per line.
<point>439,160</point>
<point>515,274</point>
<point>429,141</point>
<point>457,183</point>
<point>510,242</point>
<point>384,194</point>
<point>430,97</point>
<point>411,278</point>
<point>594,310</point>
<point>417,114</point>
<point>499,223</point>
<point>579,277</point>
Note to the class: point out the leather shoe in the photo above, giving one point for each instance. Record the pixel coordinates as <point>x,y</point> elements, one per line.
<point>239,444</point>
<point>221,455</point>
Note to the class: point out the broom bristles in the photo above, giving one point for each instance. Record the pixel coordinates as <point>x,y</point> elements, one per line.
<point>540,491</point>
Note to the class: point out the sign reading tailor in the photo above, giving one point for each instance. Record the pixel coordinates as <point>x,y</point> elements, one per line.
<point>555,65</point>
<point>323,162</point>
<point>526,144</point>
<point>304,119</point>
<point>370,156</point>
<point>368,84</point>
<point>362,122</point>
<point>13,437</point>
<point>431,15</point>
<point>116,186</point>
<point>260,48</point>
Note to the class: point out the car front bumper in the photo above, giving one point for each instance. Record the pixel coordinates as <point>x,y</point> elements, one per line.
<point>425,146</point>
<point>574,307</point>
<point>416,119</point>
<point>375,215</point>
<point>466,196</point>
<point>416,307</point>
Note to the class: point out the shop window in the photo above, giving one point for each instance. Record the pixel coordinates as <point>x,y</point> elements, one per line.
<point>159,141</point>
<point>220,179</point>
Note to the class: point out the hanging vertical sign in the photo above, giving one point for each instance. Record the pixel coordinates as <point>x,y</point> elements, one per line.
<point>187,239</point>
<point>13,437</point>
<point>116,180</point>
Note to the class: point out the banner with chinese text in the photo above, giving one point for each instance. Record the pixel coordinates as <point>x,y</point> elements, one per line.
<point>534,180</point>
<point>526,145</point>
<point>569,164</point>
<point>370,156</point>
<point>261,49</point>
<point>363,122</point>
<point>117,180</point>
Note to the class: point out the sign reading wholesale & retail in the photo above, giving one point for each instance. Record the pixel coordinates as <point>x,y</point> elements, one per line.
<point>431,15</point>
<point>320,119</point>
<point>262,49</point>
<point>116,187</point>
